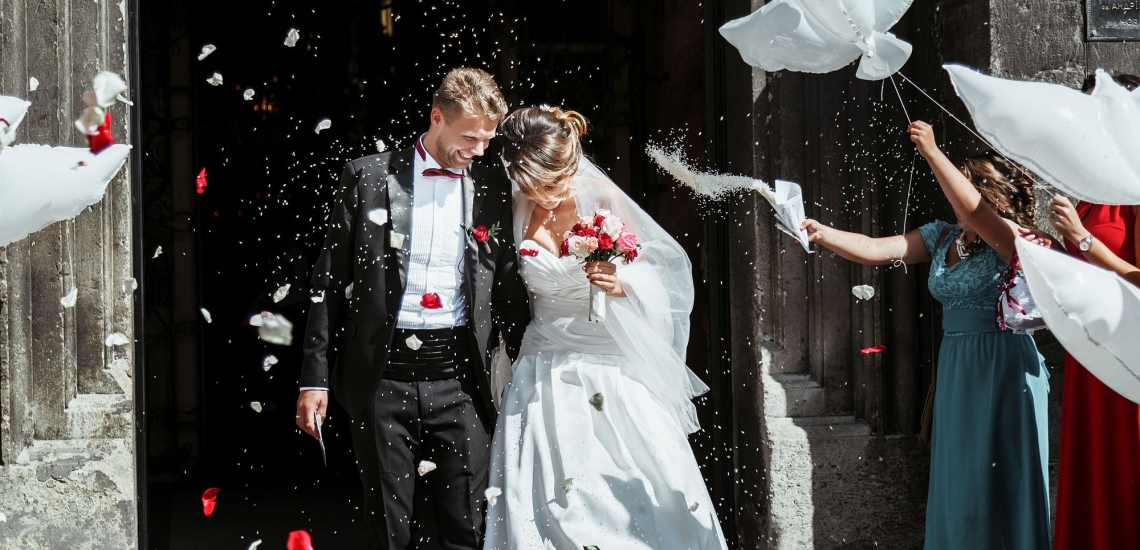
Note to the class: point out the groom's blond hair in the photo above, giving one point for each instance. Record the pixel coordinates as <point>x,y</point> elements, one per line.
<point>466,91</point>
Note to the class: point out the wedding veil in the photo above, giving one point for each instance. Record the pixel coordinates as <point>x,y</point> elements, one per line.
<point>650,324</point>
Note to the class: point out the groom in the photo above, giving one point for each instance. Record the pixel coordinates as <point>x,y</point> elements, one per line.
<point>411,292</point>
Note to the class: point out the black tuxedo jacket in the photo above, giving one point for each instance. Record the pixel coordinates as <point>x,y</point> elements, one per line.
<point>347,338</point>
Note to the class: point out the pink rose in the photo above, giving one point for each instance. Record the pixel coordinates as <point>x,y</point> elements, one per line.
<point>579,246</point>
<point>586,221</point>
<point>612,227</point>
<point>592,243</point>
<point>626,242</point>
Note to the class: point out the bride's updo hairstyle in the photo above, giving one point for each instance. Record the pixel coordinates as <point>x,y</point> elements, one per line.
<point>541,148</point>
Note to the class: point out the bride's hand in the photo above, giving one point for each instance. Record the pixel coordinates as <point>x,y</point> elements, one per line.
<point>604,275</point>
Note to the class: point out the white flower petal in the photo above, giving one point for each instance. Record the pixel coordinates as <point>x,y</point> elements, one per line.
<point>323,124</point>
<point>256,321</point>
<point>381,146</point>
<point>567,485</point>
<point>206,51</point>
<point>253,545</point>
<point>268,362</point>
<point>318,297</point>
<point>863,292</point>
<point>33,84</point>
<point>107,87</point>
<point>425,467</point>
<point>693,507</point>
<point>69,300</point>
<point>492,495</point>
<point>413,342</point>
<point>276,329</point>
<point>216,80</point>
<point>292,37</point>
<point>281,293</point>
<point>348,291</point>
<point>378,216</point>
<point>255,405</point>
<point>248,94</point>
<point>116,339</point>
<point>157,252</point>
<point>206,315</point>
<point>129,286</point>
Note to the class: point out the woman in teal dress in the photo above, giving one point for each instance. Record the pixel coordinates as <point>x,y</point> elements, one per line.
<point>989,446</point>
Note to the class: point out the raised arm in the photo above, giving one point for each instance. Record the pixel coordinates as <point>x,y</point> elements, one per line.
<point>866,250</point>
<point>1064,218</point>
<point>967,202</point>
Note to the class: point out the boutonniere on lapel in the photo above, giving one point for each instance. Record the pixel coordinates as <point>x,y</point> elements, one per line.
<point>482,235</point>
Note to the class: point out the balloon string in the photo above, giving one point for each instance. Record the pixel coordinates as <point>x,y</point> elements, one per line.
<point>968,129</point>
<point>910,183</point>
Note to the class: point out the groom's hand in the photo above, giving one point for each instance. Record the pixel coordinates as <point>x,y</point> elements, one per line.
<point>309,402</point>
<point>604,275</point>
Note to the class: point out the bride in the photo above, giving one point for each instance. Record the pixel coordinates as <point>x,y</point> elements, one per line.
<point>590,448</point>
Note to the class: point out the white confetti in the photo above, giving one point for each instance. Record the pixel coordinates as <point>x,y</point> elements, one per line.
<point>318,297</point>
<point>248,94</point>
<point>425,467</point>
<point>863,292</point>
<point>216,80</point>
<point>69,300</point>
<point>378,216</point>
<point>281,293</point>
<point>206,315</point>
<point>255,405</point>
<point>33,84</point>
<point>693,507</point>
<point>130,285</point>
<point>413,342</point>
<point>292,37</point>
<point>381,146</point>
<point>275,329</point>
<point>256,321</point>
<point>157,252</point>
<point>206,51</point>
<point>492,495</point>
<point>348,291</point>
<point>253,545</point>
<point>567,485</point>
<point>324,124</point>
<point>268,362</point>
<point>124,99</point>
<point>116,339</point>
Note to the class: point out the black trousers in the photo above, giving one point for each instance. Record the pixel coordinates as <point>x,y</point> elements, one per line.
<point>409,421</point>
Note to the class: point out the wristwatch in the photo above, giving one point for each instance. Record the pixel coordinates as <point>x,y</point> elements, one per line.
<point>1086,243</point>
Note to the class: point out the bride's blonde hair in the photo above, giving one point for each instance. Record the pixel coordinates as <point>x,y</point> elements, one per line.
<point>541,148</point>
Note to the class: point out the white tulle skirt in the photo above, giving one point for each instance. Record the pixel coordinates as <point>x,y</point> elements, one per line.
<point>619,478</point>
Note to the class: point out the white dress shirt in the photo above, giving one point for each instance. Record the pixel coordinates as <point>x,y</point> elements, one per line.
<point>437,249</point>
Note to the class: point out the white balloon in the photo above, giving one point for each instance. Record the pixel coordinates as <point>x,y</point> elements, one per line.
<point>1093,313</point>
<point>1085,145</point>
<point>820,36</point>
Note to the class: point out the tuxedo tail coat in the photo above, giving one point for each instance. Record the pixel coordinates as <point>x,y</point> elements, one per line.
<point>348,334</point>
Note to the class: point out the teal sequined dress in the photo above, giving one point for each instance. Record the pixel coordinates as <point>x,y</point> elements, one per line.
<point>988,476</point>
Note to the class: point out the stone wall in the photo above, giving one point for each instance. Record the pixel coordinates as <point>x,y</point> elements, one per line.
<point>67,461</point>
<point>825,440</point>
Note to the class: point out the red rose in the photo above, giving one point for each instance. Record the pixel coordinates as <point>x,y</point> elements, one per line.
<point>299,540</point>
<point>605,242</point>
<point>528,252</point>
<point>587,232</point>
<point>629,255</point>
<point>599,220</point>
<point>102,138</point>
<point>481,234</point>
<point>430,300</point>
<point>564,250</point>
<point>577,227</point>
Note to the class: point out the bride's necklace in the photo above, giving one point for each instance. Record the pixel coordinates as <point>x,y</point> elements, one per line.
<point>960,245</point>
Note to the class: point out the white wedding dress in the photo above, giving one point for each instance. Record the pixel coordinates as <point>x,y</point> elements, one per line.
<point>571,475</point>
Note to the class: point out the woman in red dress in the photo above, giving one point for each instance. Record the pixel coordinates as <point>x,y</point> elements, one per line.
<point>1098,491</point>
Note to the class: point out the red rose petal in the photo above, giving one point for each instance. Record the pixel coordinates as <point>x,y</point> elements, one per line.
<point>208,499</point>
<point>877,349</point>
<point>299,540</point>
<point>201,181</point>
<point>430,300</point>
<point>528,252</point>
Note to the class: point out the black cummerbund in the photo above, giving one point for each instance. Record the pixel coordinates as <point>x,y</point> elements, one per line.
<point>443,354</point>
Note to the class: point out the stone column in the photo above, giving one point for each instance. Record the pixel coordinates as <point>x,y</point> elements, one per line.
<point>67,464</point>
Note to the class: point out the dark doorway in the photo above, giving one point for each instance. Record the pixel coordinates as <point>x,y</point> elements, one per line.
<point>635,68</point>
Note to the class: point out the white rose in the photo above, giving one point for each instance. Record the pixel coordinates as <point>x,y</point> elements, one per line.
<point>579,246</point>
<point>612,227</point>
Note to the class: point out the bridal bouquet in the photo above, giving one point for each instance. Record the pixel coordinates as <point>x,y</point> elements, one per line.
<point>600,238</point>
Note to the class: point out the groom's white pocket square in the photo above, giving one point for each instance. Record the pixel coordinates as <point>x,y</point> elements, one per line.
<point>378,216</point>
<point>396,240</point>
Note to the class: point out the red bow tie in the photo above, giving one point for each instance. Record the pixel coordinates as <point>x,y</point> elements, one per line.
<point>437,172</point>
